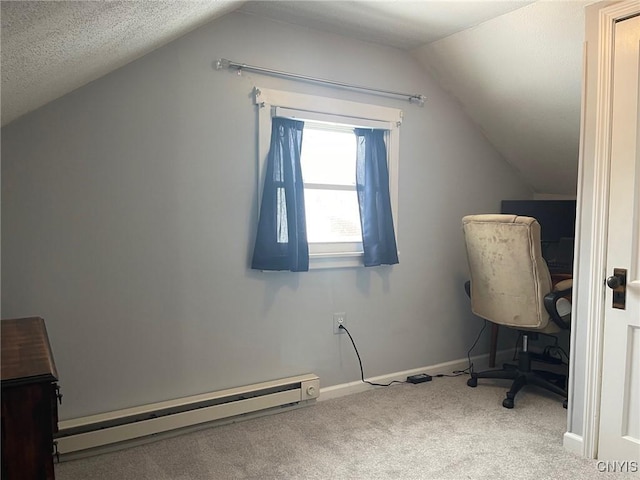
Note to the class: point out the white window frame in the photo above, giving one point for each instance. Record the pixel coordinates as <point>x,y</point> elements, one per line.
<point>318,109</point>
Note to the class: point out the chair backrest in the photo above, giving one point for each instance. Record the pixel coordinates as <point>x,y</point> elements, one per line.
<point>509,277</point>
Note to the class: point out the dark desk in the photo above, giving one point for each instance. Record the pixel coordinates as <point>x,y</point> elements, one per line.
<point>495,328</point>
<point>29,400</point>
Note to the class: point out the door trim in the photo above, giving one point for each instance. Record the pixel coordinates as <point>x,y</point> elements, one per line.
<point>608,16</point>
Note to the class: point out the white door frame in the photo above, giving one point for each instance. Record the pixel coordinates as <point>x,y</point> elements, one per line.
<point>608,16</point>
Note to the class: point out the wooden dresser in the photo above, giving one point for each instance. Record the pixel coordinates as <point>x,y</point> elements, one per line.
<point>29,400</point>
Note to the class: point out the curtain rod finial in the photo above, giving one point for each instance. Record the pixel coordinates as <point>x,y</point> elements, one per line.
<point>418,99</point>
<point>222,63</point>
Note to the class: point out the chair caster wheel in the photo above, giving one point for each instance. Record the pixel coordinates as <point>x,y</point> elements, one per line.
<point>472,382</point>
<point>507,403</point>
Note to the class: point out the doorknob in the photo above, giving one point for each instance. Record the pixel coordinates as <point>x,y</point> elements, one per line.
<point>618,283</point>
<point>614,282</point>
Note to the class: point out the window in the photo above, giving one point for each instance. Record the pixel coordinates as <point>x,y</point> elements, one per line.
<point>329,171</point>
<point>328,162</point>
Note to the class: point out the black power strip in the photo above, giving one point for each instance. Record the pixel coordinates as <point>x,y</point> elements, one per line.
<point>419,378</point>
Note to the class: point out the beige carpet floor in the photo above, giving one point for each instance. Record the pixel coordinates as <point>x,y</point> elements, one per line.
<point>436,430</point>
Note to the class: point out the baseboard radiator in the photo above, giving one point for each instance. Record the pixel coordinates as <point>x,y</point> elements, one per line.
<point>133,423</point>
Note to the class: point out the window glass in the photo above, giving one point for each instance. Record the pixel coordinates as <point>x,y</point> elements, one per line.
<point>328,162</point>
<point>328,155</point>
<point>332,216</point>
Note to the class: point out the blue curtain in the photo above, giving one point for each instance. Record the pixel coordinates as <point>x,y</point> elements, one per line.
<point>372,181</point>
<point>281,241</point>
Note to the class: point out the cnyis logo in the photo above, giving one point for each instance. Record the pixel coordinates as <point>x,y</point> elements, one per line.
<point>616,466</point>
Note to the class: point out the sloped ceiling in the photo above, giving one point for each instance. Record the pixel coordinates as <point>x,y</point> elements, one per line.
<point>400,24</point>
<point>519,78</point>
<point>515,66</point>
<point>52,48</point>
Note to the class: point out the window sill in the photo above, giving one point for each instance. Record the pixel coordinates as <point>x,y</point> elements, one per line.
<point>318,261</point>
<point>323,261</point>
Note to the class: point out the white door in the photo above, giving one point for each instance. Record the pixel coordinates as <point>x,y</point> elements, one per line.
<point>619,432</point>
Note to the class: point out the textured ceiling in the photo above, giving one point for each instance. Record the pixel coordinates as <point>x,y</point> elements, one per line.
<point>515,66</point>
<point>52,48</point>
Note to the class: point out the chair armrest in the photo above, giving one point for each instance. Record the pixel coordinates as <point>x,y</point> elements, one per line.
<point>562,290</point>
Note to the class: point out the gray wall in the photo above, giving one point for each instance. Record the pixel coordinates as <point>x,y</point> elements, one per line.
<point>129,211</point>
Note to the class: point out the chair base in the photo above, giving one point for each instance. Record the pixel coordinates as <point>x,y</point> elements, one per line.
<point>523,375</point>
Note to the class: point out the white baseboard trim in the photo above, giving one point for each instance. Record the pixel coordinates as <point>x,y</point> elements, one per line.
<point>573,443</point>
<point>479,362</point>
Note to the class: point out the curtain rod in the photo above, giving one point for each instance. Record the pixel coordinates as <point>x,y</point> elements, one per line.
<point>222,63</point>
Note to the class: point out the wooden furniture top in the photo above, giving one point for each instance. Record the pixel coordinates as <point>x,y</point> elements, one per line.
<point>26,353</point>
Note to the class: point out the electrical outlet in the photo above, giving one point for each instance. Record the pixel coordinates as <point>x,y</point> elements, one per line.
<point>339,319</point>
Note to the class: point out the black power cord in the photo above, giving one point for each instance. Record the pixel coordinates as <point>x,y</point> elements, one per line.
<point>342,327</point>
<point>455,373</point>
<point>469,369</point>
<point>550,353</point>
<point>555,351</point>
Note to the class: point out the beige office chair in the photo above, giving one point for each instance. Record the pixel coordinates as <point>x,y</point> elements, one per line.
<point>510,285</point>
